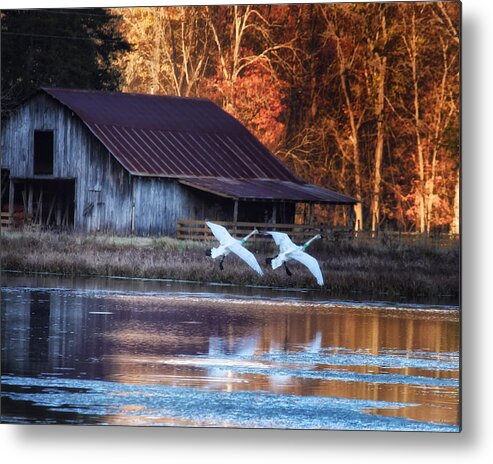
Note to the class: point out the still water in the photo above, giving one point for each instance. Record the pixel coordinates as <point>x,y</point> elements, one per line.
<point>128,352</point>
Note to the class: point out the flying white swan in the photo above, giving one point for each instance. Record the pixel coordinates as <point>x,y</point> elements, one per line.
<point>228,244</point>
<point>288,250</point>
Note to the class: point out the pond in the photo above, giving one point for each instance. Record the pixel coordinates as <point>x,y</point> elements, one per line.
<point>136,352</point>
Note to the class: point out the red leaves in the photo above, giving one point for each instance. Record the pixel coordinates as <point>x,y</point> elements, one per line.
<point>256,99</point>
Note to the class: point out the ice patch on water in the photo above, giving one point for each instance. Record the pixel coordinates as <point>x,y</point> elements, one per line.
<point>304,370</point>
<point>164,405</point>
<point>324,356</point>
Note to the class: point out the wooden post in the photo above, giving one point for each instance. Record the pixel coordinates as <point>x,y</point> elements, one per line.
<point>52,205</point>
<point>24,200</point>
<point>274,213</point>
<point>30,203</point>
<point>4,183</point>
<point>312,213</point>
<point>235,215</point>
<point>65,215</point>
<point>11,197</point>
<point>39,208</point>
<point>133,219</point>
<point>59,211</point>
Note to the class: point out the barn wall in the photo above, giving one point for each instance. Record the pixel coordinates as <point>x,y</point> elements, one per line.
<point>172,201</point>
<point>100,179</point>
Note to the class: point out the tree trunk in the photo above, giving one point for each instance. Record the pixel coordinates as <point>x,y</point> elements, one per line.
<point>354,138</point>
<point>455,228</point>
<point>417,128</point>
<point>377,178</point>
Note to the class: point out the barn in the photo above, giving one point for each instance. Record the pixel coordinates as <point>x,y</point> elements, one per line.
<point>136,164</point>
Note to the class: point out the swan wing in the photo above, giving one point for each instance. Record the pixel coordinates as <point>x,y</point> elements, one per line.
<point>246,256</point>
<point>220,232</point>
<point>310,262</point>
<point>282,241</point>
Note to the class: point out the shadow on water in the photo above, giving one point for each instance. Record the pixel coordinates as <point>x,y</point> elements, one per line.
<point>133,353</point>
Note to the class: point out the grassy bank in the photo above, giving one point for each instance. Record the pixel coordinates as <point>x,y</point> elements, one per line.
<point>375,268</point>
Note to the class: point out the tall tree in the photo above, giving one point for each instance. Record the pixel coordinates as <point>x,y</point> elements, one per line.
<point>433,90</point>
<point>59,47</point>
<point>171,50</point>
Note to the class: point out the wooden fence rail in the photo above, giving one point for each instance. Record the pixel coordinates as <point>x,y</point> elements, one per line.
<point>12,220</point>
<point>198,230</point>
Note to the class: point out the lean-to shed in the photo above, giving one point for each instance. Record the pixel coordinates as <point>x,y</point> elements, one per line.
<point>133,163</point>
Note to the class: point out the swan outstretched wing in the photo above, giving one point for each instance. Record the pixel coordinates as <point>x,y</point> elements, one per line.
<point>221,234</point>
<point>310,262</point>
<point>246,256</point>
<point>282,241</point>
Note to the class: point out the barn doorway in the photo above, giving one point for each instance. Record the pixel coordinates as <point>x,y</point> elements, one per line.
<point>4,185</point>
<point>47,203</point>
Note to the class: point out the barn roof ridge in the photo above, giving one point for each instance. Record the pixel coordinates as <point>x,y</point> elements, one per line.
<point>119,92</point>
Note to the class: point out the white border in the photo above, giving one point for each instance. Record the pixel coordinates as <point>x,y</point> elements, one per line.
<point>120,444</point>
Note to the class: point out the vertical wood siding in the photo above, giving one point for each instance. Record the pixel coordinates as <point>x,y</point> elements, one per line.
<point>100,179</point>
<point>160,202</point>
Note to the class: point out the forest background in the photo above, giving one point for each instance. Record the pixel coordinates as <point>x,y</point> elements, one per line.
<point>361,98</point>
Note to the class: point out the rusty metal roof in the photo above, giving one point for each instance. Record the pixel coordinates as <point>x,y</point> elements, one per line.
<point>267,189</point>
<point>153,135</point>
<point>191,139</point>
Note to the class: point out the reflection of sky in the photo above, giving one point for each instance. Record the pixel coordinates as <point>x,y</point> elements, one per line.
<point>214,346</point>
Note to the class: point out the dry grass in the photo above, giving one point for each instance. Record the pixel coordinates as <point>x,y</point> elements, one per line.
<point>375,268</point>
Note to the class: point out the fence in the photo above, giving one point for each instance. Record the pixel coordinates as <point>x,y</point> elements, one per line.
<point>198,230</point>
<point>12,220</point>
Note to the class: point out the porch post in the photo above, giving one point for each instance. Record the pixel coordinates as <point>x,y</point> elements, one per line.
<point>312,213</point>
<point>235,215</point>
<point>30,196</point>
<point>235,212</point>
<point>11,197</point>
<point>274,213</point>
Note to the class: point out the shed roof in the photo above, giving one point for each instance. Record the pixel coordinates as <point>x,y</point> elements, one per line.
<point>190,139</point>
<point>267,189</point>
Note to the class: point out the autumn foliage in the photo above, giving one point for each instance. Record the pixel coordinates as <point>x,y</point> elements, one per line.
<point>361,98</point>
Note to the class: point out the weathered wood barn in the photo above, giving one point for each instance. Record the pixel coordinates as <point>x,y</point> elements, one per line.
<point>128,163</point>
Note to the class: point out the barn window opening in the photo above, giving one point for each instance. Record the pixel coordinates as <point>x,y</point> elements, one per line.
<point>43,152</point>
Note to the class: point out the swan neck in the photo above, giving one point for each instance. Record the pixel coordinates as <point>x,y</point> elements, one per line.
<point>305,246</point>
<point>253,232</point>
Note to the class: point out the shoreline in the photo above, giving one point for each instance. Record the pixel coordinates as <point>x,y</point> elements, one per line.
<point>376,270</point>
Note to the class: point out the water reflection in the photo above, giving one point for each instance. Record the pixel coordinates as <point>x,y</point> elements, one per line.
<point>381,364</point>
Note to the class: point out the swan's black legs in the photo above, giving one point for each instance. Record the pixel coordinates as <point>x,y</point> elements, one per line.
<point>288,272</point>
<point>221,263</point>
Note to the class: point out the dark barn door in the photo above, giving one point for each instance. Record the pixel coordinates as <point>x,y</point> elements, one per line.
<point>49,203</point>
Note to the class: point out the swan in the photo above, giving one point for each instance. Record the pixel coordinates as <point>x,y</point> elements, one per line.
<point>288,250</point>
<point>228,244</point>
